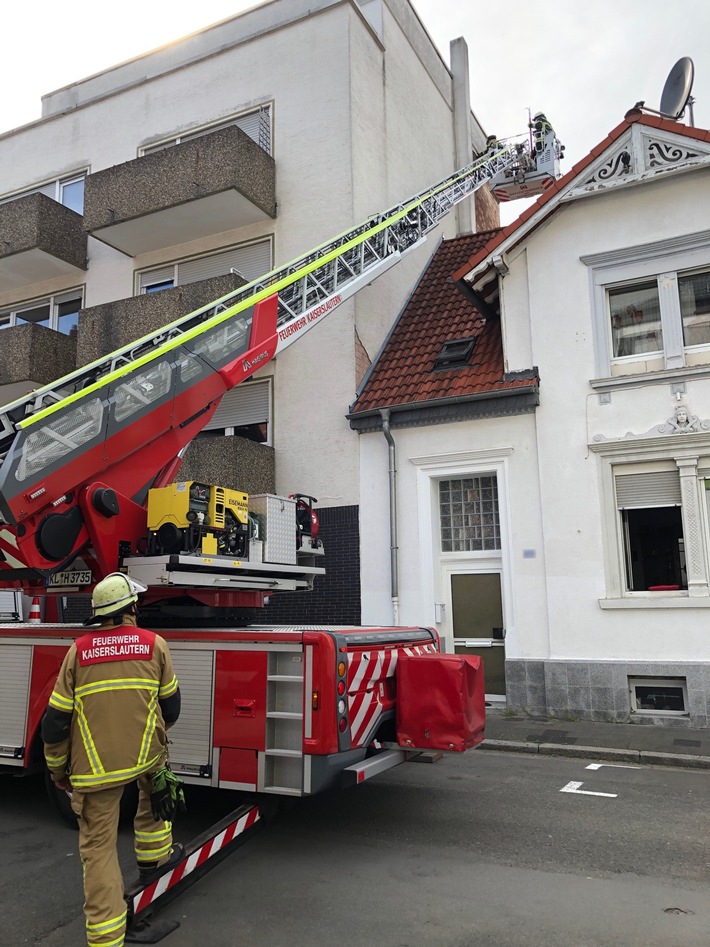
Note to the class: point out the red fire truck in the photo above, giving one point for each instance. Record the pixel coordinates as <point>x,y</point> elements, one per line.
<point>87,466</point>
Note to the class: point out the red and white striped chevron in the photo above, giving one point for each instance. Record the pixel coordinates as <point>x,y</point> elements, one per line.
<point>157,888</point>
<point>367,671</point>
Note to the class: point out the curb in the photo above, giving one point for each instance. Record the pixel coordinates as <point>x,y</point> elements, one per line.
<point>647,757</point>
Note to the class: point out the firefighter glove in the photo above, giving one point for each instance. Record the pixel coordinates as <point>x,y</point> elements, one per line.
<point>167,797</point>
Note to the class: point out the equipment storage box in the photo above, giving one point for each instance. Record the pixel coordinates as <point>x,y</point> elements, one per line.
<point>441,701</point>
<point>277,524</point>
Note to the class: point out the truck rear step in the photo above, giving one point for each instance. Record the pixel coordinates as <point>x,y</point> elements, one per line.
<point>201,854</point>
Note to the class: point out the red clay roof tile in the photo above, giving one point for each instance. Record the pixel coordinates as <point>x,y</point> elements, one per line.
<point>437,313</point>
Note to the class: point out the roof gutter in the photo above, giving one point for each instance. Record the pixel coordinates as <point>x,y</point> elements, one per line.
<point>456,399</point>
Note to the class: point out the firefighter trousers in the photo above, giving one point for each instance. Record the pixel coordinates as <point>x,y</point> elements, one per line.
<point>98,813</point>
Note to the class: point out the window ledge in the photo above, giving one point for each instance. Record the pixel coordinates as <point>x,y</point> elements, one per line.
<point>660,713</point>
<point>666,375</point>
<point>661,601</point>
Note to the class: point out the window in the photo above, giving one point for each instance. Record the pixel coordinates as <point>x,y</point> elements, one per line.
<point>694,290</point>
<point>256,123</point>
<point>468,511</point>
<point>59,312</point>
<point>249,260</point>
<point>67,315</point>
<point>149,287</point>
<point>642,314</point>
<point>67,191</point>
<point>635,320</point>
<point>651,695</point>
<point>454,354</point>
<point>655,521</point>
<point>651,307</point>
<point>71,194</point>
<point>245,411</point>
<point>654,551</point>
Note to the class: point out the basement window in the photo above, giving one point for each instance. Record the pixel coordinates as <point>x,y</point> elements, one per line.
<point>454,354</point>
<point>655,695</point>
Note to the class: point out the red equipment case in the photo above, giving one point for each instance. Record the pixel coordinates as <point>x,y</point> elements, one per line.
<point>441,702</point>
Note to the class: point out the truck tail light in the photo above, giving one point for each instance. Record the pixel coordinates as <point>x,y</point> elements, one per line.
<point>314,700</point>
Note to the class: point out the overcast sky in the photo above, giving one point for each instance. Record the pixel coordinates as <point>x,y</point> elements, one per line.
<point>582,62</point>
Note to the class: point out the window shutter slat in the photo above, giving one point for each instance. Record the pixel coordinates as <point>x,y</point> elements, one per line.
<point>249,403</point>
<point>638,491</point>
<point>252,261</point>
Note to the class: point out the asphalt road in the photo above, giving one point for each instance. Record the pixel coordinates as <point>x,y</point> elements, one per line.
<point>478,850</point>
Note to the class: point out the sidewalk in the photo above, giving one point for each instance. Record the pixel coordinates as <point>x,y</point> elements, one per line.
<point>647,743</point>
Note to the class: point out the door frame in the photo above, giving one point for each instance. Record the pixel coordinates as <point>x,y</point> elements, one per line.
<point>430,470</point>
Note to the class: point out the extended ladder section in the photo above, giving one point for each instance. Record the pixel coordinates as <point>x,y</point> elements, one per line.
<point>62,426</point>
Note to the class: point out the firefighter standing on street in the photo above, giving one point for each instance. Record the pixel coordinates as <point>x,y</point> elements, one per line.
<point>115,697</point>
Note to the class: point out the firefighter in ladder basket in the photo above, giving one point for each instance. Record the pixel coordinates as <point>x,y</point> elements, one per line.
<point>115,697</point>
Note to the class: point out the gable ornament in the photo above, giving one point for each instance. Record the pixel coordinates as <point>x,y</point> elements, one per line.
<point>682,421</point>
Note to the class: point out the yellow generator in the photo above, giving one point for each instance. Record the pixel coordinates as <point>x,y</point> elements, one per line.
<point>195,517</point>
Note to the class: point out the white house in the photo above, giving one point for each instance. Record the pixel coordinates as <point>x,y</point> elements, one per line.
<point>551,494</point>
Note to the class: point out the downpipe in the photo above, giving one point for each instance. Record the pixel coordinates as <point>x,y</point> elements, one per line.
<point>394,561</point>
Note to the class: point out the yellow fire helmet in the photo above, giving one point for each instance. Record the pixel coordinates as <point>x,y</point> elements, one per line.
<point>113,595</point>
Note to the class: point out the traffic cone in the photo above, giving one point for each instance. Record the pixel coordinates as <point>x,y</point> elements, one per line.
<point>35,617</point>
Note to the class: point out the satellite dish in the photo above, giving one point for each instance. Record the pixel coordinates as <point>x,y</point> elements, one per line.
<point>676,92</point>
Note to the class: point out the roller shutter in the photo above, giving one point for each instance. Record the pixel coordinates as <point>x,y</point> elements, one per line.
<point>248,403</point>
<point>639,491</point>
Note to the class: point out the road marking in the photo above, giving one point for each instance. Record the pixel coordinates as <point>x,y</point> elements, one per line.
<point>574,787</point>
<point>615,765</point>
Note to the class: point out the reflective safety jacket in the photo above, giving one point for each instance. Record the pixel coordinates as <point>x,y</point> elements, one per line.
<point>107,699</point>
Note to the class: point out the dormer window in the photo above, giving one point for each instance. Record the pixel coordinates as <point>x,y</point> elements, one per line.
<point>454,354</point>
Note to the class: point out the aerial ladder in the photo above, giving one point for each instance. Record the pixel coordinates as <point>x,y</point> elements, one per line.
<point>79,456</point>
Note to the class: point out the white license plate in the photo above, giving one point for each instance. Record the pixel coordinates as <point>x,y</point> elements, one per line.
<point>71,578</point>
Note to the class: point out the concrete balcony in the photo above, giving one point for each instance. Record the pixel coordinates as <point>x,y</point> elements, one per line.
<point>105,328</point>
<point>39,240</point>
<point>231,462</point>
<point>218,182</point>
<point>32,356</point>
